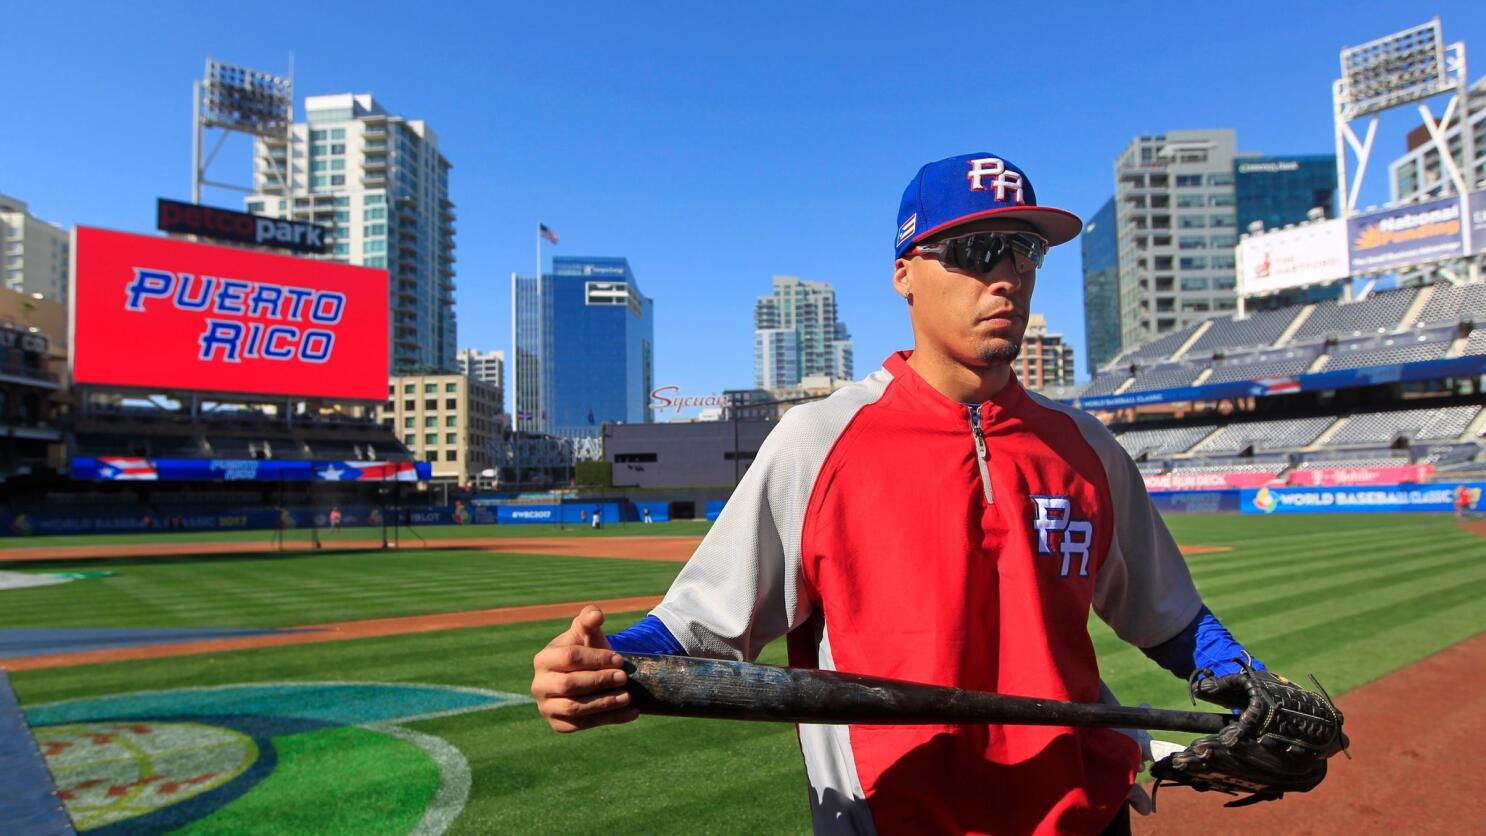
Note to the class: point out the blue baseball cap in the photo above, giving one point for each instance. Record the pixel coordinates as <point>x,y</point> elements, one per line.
<point>972,187</point>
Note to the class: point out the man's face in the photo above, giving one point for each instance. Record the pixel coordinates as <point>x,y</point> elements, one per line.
<point>978,320</point>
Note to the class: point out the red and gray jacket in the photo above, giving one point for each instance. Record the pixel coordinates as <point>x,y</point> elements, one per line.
<point>888,530</point>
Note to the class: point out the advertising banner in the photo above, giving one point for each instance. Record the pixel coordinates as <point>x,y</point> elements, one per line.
<point>241,227</point>
<point>1395,475</point>
<point>1355,500</point>
<point>1409,235</point>
<point>1295,257</point>
<point>576,513</point>
<point>1206,481</point>
<point>1196,502</point>
<point>143,469</point>
<point>166,315</point>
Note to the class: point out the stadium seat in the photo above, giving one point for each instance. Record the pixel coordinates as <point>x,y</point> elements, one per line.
<point>1256,331</point>
<point>1378,313</point>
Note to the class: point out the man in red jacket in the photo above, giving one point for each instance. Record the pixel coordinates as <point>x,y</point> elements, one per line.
<point>934,522</point>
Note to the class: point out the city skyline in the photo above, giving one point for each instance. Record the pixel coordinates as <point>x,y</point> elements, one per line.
<point>621,163</point>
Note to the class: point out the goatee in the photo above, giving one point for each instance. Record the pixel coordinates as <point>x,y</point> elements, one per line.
<point>1001,352</point>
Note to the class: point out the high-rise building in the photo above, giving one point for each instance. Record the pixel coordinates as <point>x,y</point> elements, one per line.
<point>484,366</point>
<point>1277,191</point>
<point>1045,360</point>
<point>1176,217</point>
<point>584,347</point>
<point>821,343</point>
<point>1179,198</point>
<point>450,421</point>
<point>776,357</point>
<point>1419,175</point>
<point>1099,246</point>
<point>380,181</point>
<point>33,253</point>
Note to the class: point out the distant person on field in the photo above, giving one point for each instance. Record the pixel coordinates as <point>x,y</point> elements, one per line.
<point>1462,501</point>
<point>645,513</point>
<point>598,518</point>
<point>335,519</point>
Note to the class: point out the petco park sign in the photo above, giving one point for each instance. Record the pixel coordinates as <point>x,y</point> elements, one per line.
<point>240,227</point>
<point>160,314</point>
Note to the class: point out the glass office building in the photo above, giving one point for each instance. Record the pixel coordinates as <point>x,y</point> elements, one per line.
<point>1283,190</point>
<point>584,351</point>
<point>1099,246</point>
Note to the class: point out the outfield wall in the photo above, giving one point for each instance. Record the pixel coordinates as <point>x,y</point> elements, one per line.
<point>1438,497</point>
<point>73,521</point>
<point>1386,499</point>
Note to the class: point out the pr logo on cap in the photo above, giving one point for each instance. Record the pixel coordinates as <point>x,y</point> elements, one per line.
<point>995,167</point>
<point>971,187</point>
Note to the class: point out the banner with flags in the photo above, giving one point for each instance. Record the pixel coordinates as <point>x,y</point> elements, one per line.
<point>136,468</point>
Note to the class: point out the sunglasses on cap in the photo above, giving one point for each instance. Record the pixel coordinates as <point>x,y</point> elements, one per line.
<point>979,252</point>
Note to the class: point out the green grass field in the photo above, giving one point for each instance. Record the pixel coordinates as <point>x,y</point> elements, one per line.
<point>1350,598</point>
<point>409,537</point>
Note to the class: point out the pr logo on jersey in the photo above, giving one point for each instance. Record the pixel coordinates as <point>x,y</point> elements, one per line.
<point>1058,532</point>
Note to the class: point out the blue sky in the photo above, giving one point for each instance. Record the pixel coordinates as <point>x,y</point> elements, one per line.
<point>714,145</point>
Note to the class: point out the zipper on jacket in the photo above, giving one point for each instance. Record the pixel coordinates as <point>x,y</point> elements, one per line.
<point>982,457</point>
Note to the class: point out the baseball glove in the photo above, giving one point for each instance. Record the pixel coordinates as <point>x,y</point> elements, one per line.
<point>1278,743</point>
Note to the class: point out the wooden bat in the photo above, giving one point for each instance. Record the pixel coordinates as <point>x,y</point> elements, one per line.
<point>683,686</point>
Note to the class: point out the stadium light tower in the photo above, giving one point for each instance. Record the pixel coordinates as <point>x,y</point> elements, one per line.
<point>239,100</point>
<point>1392,71</point>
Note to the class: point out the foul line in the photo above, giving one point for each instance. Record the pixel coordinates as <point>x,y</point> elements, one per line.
<point>334,632</point>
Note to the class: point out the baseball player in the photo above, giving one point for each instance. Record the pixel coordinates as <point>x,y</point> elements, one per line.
<point>1462,502</point>
<point>938,523</point>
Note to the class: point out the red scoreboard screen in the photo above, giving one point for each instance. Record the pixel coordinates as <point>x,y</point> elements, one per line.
<point>161,314</point>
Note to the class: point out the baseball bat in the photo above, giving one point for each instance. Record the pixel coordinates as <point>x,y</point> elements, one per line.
<point>684,686</point>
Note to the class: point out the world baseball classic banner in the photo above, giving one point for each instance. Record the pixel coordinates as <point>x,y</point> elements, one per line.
<point>1439,496</point>
<point>166,315</point>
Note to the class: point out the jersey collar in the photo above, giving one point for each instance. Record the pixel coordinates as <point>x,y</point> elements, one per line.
<point>1004,402</point>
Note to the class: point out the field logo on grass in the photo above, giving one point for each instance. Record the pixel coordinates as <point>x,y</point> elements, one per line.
<point>243,757</point>
<point>1265,501</point>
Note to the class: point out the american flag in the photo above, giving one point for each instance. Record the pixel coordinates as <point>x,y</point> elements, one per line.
<point>543,231</point>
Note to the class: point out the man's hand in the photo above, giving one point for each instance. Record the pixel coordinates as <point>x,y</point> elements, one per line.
<point>1278,744</point>
<point>578,683</point>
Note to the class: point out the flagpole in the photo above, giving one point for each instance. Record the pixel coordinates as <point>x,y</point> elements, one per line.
<point>541,321</point>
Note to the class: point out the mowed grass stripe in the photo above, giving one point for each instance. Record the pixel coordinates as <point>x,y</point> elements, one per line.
<point>1247,561</point>
<point>1325,597</point>
<point>326,588</point>
<point>1338,572</point>
<point>303,536</point>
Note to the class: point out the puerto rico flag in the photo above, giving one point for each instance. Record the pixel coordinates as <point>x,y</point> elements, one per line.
<point>1276,386</point>
<point>367,472</point>
<point>123,468</point>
